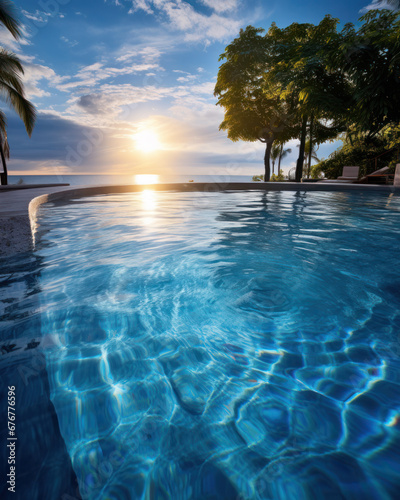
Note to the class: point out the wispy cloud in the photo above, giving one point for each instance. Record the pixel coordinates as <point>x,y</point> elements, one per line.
<point>70,43</point>
<point>35,73</point>
<point>92,75</point>
<point>9,42</point>
<point>182,16</point>
<point>221,5</point>
<point>381,4</point>
<point>148,54</point>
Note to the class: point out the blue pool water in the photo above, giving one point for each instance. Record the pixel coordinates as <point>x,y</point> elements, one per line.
<point>224,345</point>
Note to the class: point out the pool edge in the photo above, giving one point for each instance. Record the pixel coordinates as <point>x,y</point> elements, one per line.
<point>20,226</point>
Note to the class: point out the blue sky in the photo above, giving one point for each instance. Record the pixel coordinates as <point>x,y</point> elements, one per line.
<point>100,71</point>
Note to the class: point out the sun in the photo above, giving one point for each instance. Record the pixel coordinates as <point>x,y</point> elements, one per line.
<point>147,141</point>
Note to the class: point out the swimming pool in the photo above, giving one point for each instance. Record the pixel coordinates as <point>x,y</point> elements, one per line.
<point>235,345</point>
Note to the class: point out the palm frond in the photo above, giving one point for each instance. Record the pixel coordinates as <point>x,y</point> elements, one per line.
<point>25,109</point>
<point>286,152</point>
<point>11,70</point>
<point>10,62</point>
<point>3,135</point>
<point>3,123</point>
<point>9,19</point>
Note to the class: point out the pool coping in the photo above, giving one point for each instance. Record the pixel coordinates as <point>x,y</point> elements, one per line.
<point>18,223</point>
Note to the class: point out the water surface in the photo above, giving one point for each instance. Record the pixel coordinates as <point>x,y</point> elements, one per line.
<point>225,345</point>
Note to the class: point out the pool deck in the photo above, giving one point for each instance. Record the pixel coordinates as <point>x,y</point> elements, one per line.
<point>19,204</point>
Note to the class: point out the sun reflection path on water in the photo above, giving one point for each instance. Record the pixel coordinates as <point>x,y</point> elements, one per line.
<point>148,206</point>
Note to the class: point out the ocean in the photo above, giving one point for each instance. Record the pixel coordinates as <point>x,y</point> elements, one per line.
<point>100,180</point>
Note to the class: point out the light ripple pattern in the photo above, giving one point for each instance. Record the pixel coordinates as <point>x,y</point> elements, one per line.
<point>225,345</point>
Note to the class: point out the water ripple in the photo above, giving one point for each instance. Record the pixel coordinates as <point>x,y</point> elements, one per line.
<point>225,345</point>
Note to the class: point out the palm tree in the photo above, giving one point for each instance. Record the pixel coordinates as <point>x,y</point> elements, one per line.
<point>310,157</point>
<point>278,153</point>
<point>11,86</point>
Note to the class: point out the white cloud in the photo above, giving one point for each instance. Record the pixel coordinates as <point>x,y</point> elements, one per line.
<point>108,102</point>
<point>9,42</point>
<point>205,88</point>
<point>148,54</point>
<point>188,78</point>
<point>35,73</point>
<point>141,5</point>
<point>26,58</point>
<point>183,17</point>
<point>221,5</point>
<point>71,43</point>
<point>113,105</point>
<point>90,76</point>
<point>38,16</point>
<point>379,4</point>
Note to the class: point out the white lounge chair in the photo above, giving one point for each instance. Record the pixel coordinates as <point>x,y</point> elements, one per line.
<point>349,174</point>
<point>396,181</point>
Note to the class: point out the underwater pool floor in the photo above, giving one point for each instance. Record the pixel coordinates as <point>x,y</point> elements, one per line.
<point>235,345</point>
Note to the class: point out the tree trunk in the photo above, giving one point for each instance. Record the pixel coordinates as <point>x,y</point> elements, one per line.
<point>280,158</point>
<point>311,146</point>
<point>300,160</point>
<point>267,171</point>
<point>4,177</point>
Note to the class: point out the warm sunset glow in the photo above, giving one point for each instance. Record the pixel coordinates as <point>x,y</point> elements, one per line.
<point>144,179</point>
<point>147,141</point>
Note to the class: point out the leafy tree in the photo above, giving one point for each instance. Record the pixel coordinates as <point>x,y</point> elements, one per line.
<point>11,86</point>
<point>322,96</point>
<point>253,103</point>
<point>273,86</point>
<point>370,57</point>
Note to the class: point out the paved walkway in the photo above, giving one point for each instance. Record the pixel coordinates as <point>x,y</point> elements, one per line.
<point>15,202</point>
<point>15,227</point>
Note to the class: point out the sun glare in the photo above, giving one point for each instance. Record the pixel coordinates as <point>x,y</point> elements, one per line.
<point>145,179</point>
<point>147,141</point>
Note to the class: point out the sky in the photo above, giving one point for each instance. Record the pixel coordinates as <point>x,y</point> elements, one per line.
<point>109,76</point>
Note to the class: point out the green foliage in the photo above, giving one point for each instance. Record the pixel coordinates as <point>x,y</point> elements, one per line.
<point>274,177</point>
<point>11,85</point>
<point>278,178</point>
<point>8,18</point>
<point>316,172</point>
<point>370,59</point>
<point>275,86</point>
<point>270,84</point>
<point>360,152</point>
<point>252,105</point>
